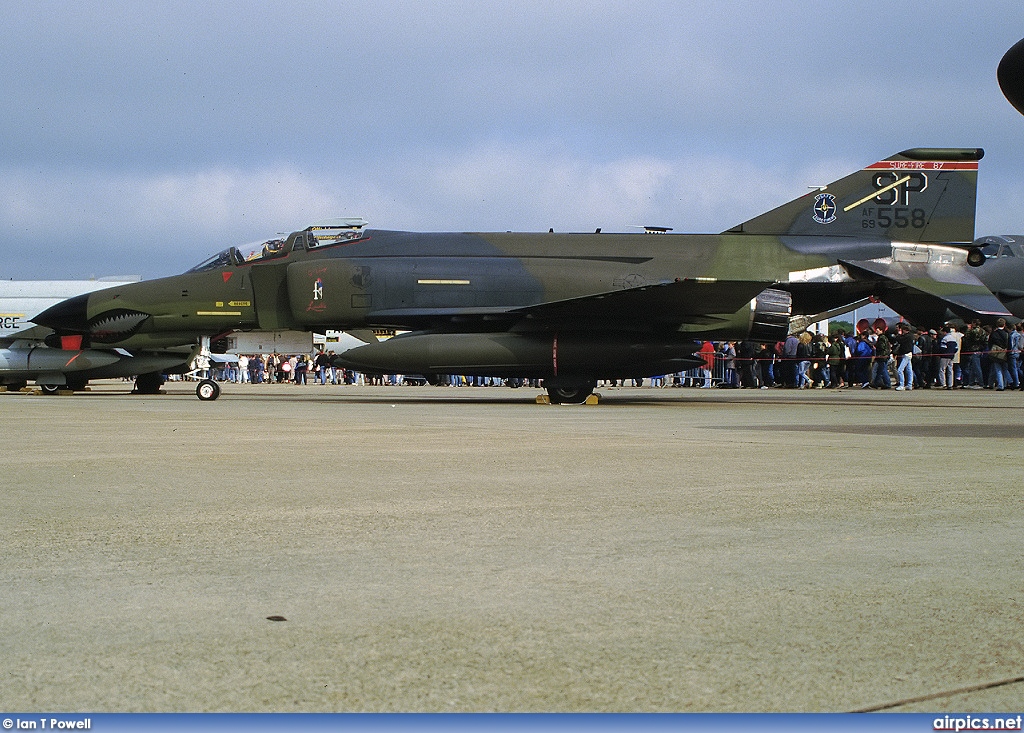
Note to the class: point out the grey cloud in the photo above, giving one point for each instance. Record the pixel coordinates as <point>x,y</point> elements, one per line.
<point>154,131</point>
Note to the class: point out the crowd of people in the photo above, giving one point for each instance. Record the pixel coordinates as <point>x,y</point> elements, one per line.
<point>901,358</point>
<point>273,368</point>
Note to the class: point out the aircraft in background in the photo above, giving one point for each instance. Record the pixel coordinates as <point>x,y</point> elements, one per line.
<point>574,308</point>
<point>1010,74</point>
<point>1002,270</point>
<point>25,354</point>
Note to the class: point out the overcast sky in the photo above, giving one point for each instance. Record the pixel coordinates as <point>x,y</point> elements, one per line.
<point>139,138</point>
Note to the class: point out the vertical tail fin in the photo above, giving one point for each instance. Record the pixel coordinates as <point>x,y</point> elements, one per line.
<point>919,195</point>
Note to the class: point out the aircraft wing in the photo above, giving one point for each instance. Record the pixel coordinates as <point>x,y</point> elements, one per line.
<point>679,301</point>
<point>33,334</point>
<point>695,300</point>
<point>924,291</point>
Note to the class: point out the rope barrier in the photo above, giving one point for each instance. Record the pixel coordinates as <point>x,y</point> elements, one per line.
<point>937,695</point>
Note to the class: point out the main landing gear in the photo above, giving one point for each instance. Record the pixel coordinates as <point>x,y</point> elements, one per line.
<point>569,393</point>
<point>149,383</point>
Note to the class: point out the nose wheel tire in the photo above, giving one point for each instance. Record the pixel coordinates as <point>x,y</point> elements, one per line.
<point>207,390</point>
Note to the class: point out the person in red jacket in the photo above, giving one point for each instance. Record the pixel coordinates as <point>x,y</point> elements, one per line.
<point>707,353</point>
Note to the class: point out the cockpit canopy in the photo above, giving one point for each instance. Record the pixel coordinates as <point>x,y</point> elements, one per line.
<point>322,234</point>
<point>1006,245</point>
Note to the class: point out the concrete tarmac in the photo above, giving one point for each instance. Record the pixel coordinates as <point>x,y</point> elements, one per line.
<point>441,549</point>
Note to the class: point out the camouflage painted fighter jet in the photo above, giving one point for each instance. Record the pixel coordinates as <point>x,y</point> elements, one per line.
<point>575,308</point>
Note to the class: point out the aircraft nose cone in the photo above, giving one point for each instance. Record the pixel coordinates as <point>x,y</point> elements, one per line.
<point>68,315</point>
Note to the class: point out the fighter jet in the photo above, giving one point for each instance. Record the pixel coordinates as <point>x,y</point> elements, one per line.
<point>25,355</point>
<point>575,308</point>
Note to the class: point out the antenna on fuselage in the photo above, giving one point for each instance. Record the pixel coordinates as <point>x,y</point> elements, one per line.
<point>653,230</point>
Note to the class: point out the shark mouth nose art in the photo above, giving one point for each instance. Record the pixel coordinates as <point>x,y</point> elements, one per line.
<point>116,325</point>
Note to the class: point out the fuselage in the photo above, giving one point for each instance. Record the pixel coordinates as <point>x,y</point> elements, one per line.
<point>407,280</point>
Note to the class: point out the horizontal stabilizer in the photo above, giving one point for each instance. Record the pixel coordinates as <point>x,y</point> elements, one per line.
<point>923,291</point>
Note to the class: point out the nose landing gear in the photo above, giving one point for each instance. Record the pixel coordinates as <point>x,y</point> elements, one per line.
<point>207,390</point>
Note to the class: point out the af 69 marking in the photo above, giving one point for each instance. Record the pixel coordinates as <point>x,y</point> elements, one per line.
<point>894,189</point>
<point>887,216</point>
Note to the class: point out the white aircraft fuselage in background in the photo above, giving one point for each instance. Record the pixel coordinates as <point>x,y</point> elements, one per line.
<point>24,356</point>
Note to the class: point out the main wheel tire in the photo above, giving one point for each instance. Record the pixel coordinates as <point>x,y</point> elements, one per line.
<point>50,388</point>
<point>570,394</point>
<point>149,383</point>
<point>77,384</point>
<point>207,390</point>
